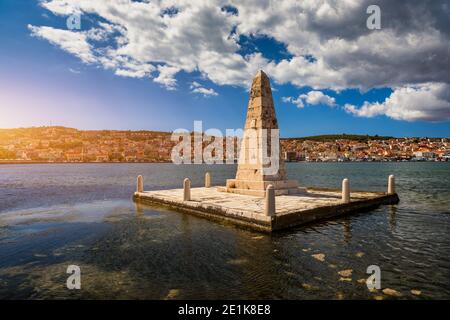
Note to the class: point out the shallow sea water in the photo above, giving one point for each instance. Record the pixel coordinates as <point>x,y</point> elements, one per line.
<point>55,215</point>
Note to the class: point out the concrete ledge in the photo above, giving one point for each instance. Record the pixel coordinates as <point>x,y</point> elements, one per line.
<point>248,211</point>
<point>293,219</point>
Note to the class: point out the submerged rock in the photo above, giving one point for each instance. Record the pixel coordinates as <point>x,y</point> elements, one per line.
<point>359,254</point>
<point>391,292</point>
<point>416,292</point>
<point>346,273</point>
<point>319,256</point>
<point>361,281</point>
<point>307,286</point>
<point>173,293</point>
<point>345,279</point>
<point>290,274</point>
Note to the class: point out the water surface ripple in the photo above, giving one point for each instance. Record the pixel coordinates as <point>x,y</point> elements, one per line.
<point>55,215</point>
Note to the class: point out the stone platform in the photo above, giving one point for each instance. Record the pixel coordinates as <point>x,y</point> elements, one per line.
<point>258,188</point>
<point>311,205</point>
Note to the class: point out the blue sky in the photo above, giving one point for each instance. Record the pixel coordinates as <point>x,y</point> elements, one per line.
<point>44,83</point>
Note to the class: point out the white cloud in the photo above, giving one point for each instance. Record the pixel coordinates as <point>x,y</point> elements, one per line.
<point>427,102</point>
<point>130,73</point>
<point>312,98</point>
<point>97,34</point>
<point>297,101</point>
<point>318,97</point>
<point>166,77</point>
<point>133,69</point>
<point>70,41</point>
<point>198,88</point>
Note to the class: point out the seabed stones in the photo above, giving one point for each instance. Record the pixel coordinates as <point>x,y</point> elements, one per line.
<point>319,256</point>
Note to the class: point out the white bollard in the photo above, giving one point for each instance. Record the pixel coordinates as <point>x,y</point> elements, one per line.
<point>140,184</point>
<point>391,184</point>
<point>269,207</point>
<point>207,180</point>
<point>345,191</point>
<point>187,190</point>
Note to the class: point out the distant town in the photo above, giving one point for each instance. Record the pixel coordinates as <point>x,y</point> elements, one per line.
<point>60,144</point>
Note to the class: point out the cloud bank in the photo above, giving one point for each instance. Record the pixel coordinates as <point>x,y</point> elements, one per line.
<point>427,102</point>
<point>328,43</point>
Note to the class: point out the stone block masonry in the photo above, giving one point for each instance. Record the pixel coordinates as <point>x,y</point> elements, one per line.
<point>253,176</point>
<point>249,211</point>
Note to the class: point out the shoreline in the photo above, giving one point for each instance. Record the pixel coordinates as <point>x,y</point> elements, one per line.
<point>170,162</point>
<point>86,162</point>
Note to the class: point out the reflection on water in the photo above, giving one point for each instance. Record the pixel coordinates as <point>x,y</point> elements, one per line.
<point>52,216</point>
<point>139,209</point>
<point>392,212</point>
<point>347,229</point>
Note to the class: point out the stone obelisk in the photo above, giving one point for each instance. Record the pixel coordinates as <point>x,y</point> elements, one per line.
<point>260,162</point>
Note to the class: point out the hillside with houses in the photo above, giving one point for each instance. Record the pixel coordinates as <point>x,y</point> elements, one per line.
<point>60,144</point>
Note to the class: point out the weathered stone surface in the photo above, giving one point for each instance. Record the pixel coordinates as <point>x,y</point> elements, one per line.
<point>140,184</point>
<point>253,173</point>
<point>391,184</point>
<point>345,191</point>
<point>207,180</point>
<point>186,190</point>
<point>245,210</point>
<point>269,207</point>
